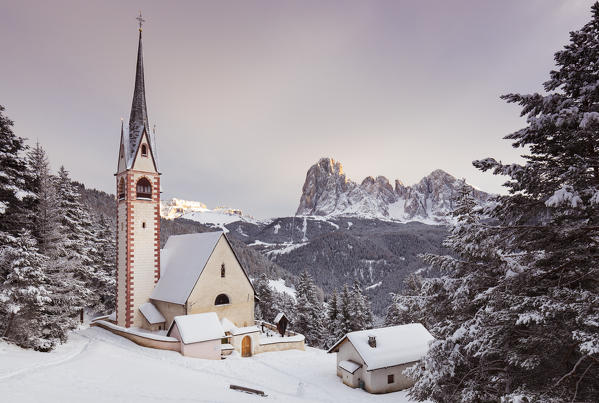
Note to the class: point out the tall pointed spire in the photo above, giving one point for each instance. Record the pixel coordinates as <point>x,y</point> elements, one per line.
<point>138,120</point>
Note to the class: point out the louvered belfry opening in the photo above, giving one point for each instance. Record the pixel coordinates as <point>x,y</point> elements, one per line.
<point>144,189</point>
<point>122,189</point>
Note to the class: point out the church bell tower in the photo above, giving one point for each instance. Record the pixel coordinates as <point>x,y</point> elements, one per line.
<point>138,207</point>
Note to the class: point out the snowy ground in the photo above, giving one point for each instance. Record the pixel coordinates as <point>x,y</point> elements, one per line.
<point>97,366</point>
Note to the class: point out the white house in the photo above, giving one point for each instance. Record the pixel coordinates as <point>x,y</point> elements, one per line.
<point>200,335</point>
<point>375,359</point>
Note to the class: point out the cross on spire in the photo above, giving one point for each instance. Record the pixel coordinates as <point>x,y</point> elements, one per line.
<point>140,20</point>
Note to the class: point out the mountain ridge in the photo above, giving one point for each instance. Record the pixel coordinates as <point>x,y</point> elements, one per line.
<point>327,191</point>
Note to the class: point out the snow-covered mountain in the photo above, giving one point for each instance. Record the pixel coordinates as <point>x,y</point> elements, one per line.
<point>328,192</point>
<point>197,211</point>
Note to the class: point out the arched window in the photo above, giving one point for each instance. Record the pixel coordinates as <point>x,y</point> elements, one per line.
<point>222,270</point>
<point>144,189</point>
<point>121,189</point>
<point>222,299</point>
<point>144,150</point>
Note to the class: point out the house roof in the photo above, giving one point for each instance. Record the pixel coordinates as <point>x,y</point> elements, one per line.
<point>198,327</point>
<point>349,365</point>
<point>182,262</point>
<point>151,313</point>
<point>227,324</point>
<point>395,345</point>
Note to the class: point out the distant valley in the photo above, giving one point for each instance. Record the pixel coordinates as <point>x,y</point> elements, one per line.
<point>342,230</point>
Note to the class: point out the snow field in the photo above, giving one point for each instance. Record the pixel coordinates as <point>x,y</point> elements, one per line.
<point>98,366</point>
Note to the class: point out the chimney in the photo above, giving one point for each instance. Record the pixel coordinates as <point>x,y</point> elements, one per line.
<point>372,341</point>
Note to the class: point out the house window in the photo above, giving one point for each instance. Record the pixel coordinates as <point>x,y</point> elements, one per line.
<point>144,189</point>
<point>122,189</point>
<point>390,378</point>
<point>222,299</point>
<point>144,150</point>
<point>222,270</point>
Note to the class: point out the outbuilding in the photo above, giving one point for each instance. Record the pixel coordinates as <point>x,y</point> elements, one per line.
<point>200,335</point>
<point>375,359</point>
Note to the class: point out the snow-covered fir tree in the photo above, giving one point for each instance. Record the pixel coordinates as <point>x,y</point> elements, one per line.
<point>407,306</point>
<point>331,319</point>
<point>309,312</point>
<point>44,209</point>
<point>23,293</point>
<point>521,291</point>
<point>13,177</point>
<point>266,302</point>
<point>74,256</point>
<point>103,277</point>
<point>361,312</point>
<point>343,324</point>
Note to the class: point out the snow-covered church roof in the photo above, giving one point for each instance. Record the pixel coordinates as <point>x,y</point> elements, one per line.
<point>138,118</point>
<point>151,313</point>
<point>395,345</point>
<point>182,262</point>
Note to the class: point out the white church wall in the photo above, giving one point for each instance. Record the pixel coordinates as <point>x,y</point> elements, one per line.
<point>122,263</point>
<point>235,285</point>
<point>144,228</point>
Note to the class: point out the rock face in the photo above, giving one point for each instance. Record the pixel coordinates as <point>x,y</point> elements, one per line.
<point>328,192</point>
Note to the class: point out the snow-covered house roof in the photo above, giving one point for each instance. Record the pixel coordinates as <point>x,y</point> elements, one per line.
<point>395,345</point>
<point>151,313</point>
<point>198,327</point>
<point>349,365</point>
<point>227,325</point>
<point>183,260</point>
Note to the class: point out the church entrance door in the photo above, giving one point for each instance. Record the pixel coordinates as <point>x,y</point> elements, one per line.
<point>246,347</point>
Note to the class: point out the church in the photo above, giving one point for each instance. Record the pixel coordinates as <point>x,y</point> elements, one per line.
<point>194,296</point>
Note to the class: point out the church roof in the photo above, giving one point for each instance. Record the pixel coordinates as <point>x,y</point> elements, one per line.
<point>182,262</point>
<point>151,313</point>
<point>138,119</point>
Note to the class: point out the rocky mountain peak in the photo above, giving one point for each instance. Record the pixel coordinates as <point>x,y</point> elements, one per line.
<point>328,192</point>
<point>330,166</point>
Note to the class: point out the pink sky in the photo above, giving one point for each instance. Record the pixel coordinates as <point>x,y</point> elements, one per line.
<point>246,95</point>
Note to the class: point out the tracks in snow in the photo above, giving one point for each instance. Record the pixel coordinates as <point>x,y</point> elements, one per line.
<point>39,367</point>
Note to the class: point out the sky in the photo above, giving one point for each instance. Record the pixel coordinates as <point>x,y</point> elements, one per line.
<point>246,95</point>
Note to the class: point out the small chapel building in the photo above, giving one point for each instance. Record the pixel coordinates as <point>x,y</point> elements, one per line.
<point>201,273</point>
<point>194,273</point>
<point>168,298</point>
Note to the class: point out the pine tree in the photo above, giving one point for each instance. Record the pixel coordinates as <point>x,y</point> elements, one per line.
<point>309,313</point>
<point>361,313</point>
<point>344,319</point>
<point>266,301</point>
<point>74,262</point>
<point>13,177</point>
<point>44,209</point>
<point>408,306</point>
<point>520,292</point>
<point>103,256</point>
<point>23,293</point>
<point>332,318</point>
